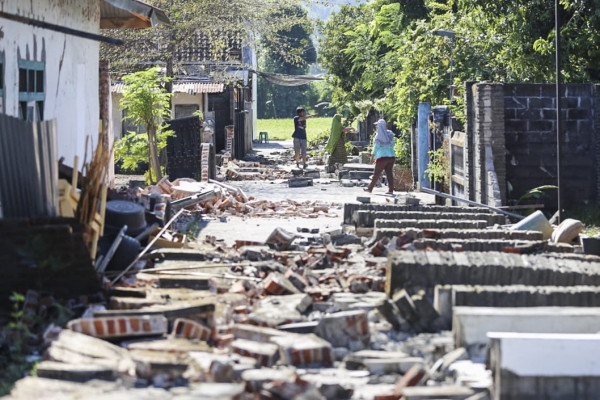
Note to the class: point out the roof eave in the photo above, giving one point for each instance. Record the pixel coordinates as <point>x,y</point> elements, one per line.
<point>137,14</point>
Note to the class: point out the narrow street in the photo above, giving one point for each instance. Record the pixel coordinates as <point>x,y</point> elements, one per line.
<point>470,270</point>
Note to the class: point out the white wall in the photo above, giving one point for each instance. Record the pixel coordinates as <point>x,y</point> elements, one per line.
<point>184,99</point>
<point>71,66</point>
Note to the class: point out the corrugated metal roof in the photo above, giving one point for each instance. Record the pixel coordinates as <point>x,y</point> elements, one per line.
<point>198,87</point>
<point>190,87</point>
<point>119,14</point>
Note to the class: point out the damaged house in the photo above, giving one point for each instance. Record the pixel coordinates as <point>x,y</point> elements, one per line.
<point>50,62</point>
<point>220,87</point>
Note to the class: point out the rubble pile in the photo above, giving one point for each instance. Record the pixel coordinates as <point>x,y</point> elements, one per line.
<point>248,170</point>
<point>403,301</point>
<point>228,200</point>
<point>251,322</point>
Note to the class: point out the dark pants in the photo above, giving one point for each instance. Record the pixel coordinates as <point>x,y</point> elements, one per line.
<point>384,164</point>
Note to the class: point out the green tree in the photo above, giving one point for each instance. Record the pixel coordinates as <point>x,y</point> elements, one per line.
<point>291,53</point>
<point>147,104</point>
<point>387,50</point>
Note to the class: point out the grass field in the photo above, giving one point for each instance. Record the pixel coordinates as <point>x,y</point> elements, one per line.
<point>282,129</point>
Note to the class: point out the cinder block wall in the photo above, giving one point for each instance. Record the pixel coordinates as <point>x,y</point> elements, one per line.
<point>527,113</point>
<point>489,144</point>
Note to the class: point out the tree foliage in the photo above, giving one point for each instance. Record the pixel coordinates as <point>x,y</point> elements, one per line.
<point>281,101</point>
<point>202,31</point>
<point>147,104</point>
<point>387,51</point>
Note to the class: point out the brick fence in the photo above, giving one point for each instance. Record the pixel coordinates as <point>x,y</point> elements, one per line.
<point>510,144</point>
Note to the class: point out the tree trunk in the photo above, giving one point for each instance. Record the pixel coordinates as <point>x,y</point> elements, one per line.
<point>154,163</point>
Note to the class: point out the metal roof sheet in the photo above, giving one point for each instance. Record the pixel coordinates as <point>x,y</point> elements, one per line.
<point>119,14</point>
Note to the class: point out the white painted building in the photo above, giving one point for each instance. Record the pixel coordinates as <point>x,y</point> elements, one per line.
<point>49,61</point>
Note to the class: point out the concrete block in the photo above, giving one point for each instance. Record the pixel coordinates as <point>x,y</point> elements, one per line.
<point>198,310</point>
<point>385,366</point>
<point>131,303</point>
<point>119,327</point>
<point>277,284</point>
<point>448,296</point>
<point>367,218</point>
<point>544,365</point>
<point>256,333</point>
<point>277,310</point>
<point>299,327</point>
<point>189,329</point>
<point>266,354</point>
<point>76,372</point>
<point>304,350</point>
<point>345,329</point>
<point>427,315</point>
<point>471,324</point>
<point>422,269</point>
<point>300,182</point>
<point>389,312</point>
<point>256,378</point>
<point>437,392</point>
<point>216,391</point>
<point>405,306</point>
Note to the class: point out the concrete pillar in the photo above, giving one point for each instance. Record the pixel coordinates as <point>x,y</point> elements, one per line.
<point>423,142</point>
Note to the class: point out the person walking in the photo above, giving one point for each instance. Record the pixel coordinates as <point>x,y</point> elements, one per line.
<point>299,136</point>
<point>384,156</point>
<point>336,145</point>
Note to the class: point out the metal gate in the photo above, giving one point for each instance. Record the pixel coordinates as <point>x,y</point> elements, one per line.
<point>184,150</point>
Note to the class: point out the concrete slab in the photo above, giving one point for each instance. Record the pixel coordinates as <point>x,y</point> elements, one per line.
<point>471,324</point>
<point>548,366</point>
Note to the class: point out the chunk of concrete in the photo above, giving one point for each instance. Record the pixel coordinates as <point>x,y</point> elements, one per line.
<point>545,365</point>
<point>120,327</point>
<point>304,350</point>
<point>567,231</point>
<point>452,392</point>
<point>266,354</point>
<point>277,310</point>
<point>74,372</point>
<point>256,333</point>
<point>471,324</point>
<point>256,378</point>
<point>345,329</point>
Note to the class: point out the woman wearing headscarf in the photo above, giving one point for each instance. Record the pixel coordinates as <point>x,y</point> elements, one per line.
<point>384,156</point>
<point>336,145</point>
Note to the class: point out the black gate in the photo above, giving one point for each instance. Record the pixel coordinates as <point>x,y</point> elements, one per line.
<point>184,150</point>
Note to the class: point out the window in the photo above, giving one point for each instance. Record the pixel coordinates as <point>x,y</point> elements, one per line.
<point>31,90</point>
<point>185,110</point>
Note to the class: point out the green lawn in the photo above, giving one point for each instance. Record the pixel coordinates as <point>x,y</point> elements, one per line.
<point>282,129</point>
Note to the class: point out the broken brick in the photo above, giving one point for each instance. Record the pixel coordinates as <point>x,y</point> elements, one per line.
<point>304,350</point>
<point>278,284</point>
<point>345,329</point>
<point>122,326</point>
<point>266,354</point>
<point>188,329</point>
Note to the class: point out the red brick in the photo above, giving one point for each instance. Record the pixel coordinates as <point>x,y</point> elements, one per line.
<point>189,329</point>
<point>304,350</point>
<point>266,354</point>
<point>122,326</point>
